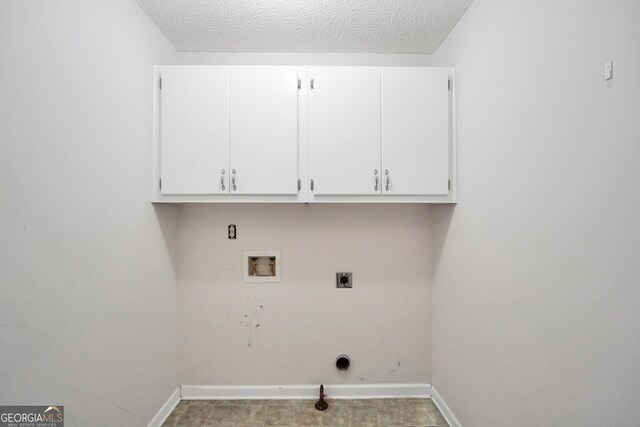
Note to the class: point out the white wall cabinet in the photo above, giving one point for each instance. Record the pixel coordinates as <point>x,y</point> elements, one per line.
<point>379,131</point>
<point>264,131</point>
<point>228,131</point>
<point>194,129</point>
<point>415,131</point>
<point>344,130</point>
<point>304,134</point>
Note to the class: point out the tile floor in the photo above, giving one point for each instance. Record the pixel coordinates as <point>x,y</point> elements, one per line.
<point>289,413</point>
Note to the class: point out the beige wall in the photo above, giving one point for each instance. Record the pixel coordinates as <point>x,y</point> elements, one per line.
<point>291,332</point>
<point>305,322</point>
<point>536,294</point>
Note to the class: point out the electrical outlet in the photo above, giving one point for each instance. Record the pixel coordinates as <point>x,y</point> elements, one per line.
<point>344,280</point>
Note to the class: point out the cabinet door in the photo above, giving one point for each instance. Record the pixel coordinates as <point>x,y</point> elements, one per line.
<point>415,131</point>
<point>194,130</point>
<point>264,130</point>
<point>344,130</point>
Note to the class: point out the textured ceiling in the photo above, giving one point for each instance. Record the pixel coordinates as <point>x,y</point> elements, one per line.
<point>374,26</point>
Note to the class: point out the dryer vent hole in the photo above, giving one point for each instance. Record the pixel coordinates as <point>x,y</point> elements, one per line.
<point>343,362</point>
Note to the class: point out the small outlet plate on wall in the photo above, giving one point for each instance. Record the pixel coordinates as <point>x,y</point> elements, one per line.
<point>344,280</point>
<point>261,266</point>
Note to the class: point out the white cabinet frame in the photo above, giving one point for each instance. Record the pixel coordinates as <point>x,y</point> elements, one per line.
<point>304,195</point>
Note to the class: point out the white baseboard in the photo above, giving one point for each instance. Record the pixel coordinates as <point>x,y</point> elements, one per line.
<point>338,391</point>
<point>444,408</point>
<point>166,409</point>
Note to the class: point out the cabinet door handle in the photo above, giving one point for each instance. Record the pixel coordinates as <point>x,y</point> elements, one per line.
<point>386,174</point>
<point>233,179</point>
<point>222,180</point>
<point>375,173</point>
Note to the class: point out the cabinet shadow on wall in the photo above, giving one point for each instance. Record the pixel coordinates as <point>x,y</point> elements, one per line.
<point>167,216</point>
<point>441,216</point>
